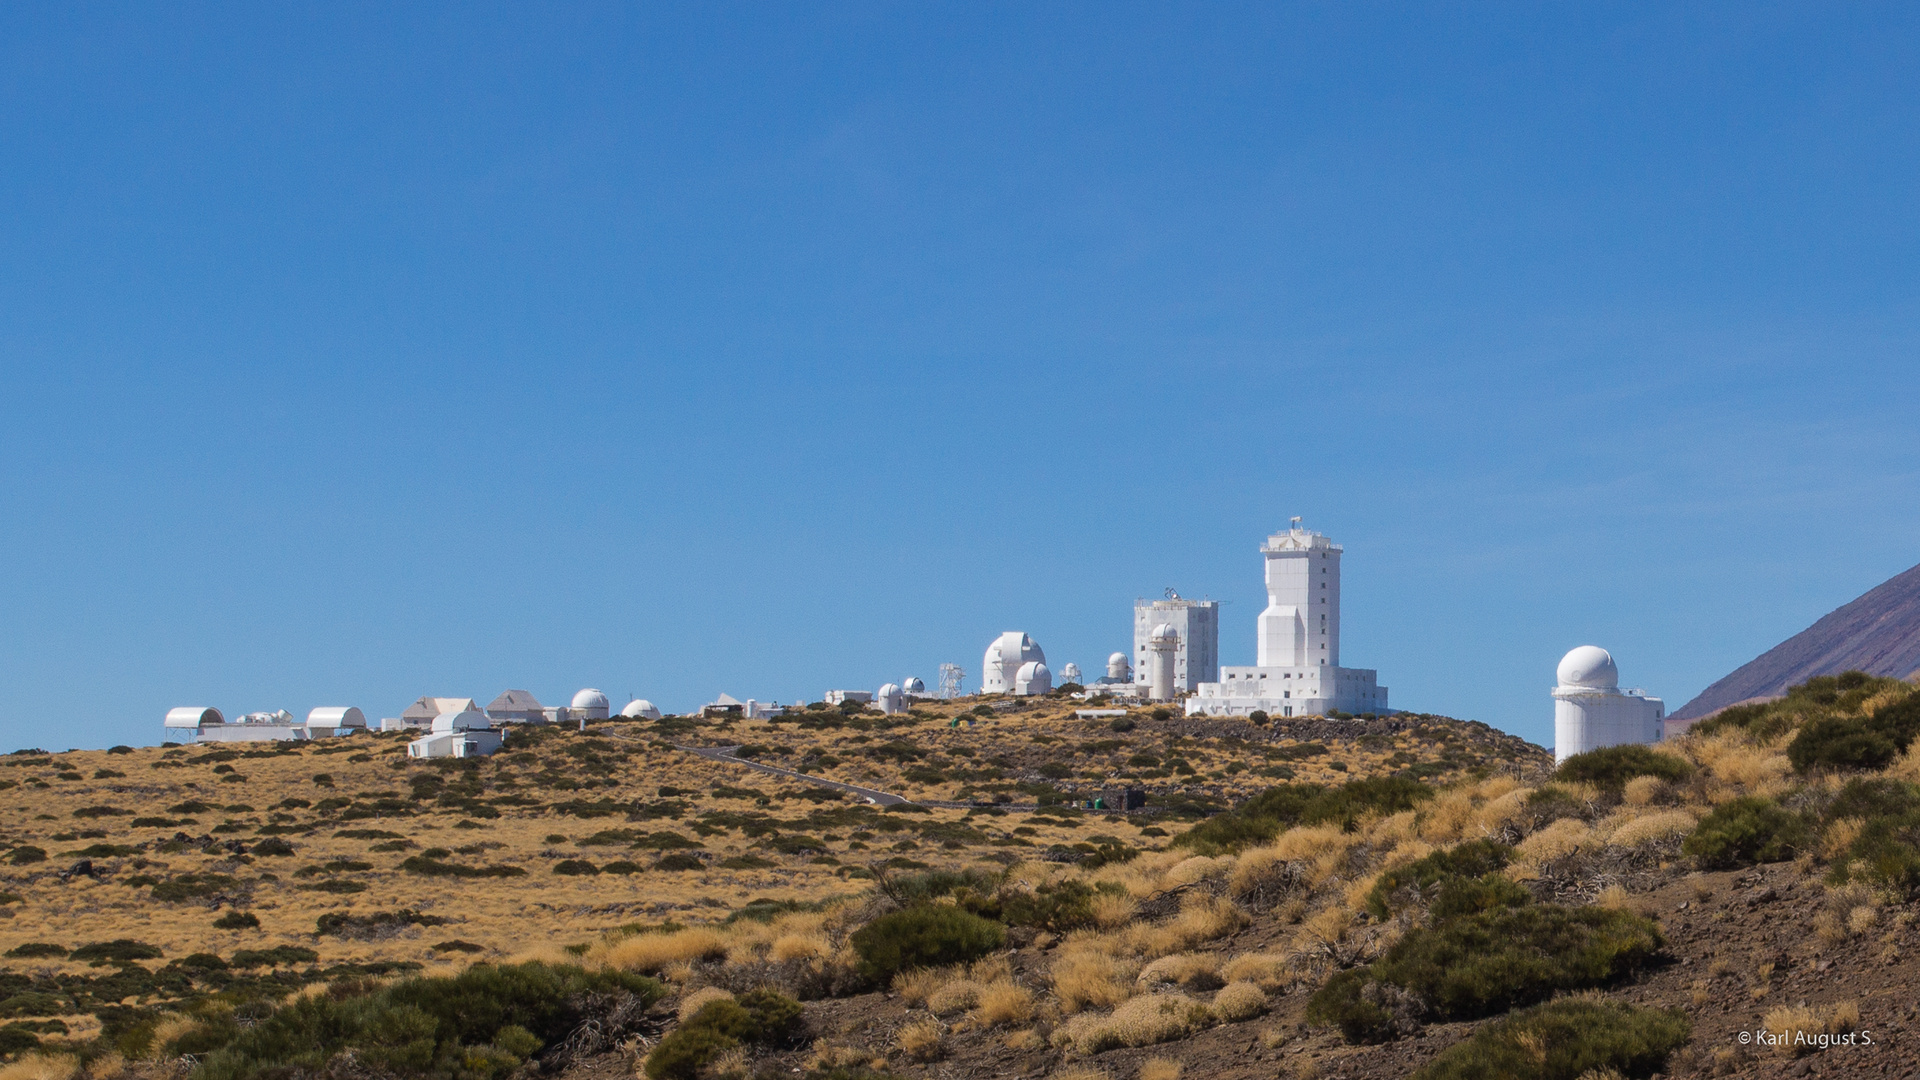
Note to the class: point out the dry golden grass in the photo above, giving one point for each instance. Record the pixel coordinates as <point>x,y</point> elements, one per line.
<point>1654,828</point>
<point>1239,1001</point>
<point>922,1040</point>
<point>916,985</point>
<point>1644,790</point>
<point>1269,971</point>
<point>1840,836</point>
<point>1087,975</point>
<point>1557,840</point>
<point>652,953</point>
<point>1003,1003</point>
<point>1159,1068</point>
<point>1799,1028</point>
<point>958,995</point>
<point>1615,897</point>
<point>1200,919</point>
<point>1111,911</point>
<point>1179,969</point>
<point>1142,1021</point>
<point>1078,1072</point>
<point>40,1067</point>
<point>698,999</point>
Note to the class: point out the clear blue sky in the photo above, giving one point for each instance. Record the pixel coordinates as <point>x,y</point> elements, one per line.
<point>353,353</point>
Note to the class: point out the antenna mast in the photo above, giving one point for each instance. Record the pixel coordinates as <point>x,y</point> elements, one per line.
<point>950,678</point>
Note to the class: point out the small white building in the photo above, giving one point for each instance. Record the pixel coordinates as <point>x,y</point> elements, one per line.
<point>1196,627</point>
<point>1032,678</point>
<point>1005,657</point>
<point>891,699</point>
<point>200,724</point>
<point>419,716</point>
<point>517,707</point>
<point>331,720</point>
<point>728,705</point>
<point>1298,646</point>
<point>1591,711</point>
<point>467,733</point>
<point>640,709</point>
<point>841,697</point>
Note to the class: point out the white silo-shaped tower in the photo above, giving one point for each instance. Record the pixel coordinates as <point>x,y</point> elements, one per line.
<point>590,704</point>
<point>1163,648</point>
<point>1119,668</point>
<point>1032,678</point>
<point>640,709</point>
<point>1004,658</point>
<point>890,699</point>
<point>1591,711</point>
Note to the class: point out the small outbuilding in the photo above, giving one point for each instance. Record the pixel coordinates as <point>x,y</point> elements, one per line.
<point>467,733</point>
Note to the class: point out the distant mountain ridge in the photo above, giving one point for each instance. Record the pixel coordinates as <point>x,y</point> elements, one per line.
<point>1879,633</point>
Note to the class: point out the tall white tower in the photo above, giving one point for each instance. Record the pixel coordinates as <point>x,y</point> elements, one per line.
<point>1301,626</point>
<point>1162,645</point>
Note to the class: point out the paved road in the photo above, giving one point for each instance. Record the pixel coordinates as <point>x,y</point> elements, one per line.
<point>725,753</point>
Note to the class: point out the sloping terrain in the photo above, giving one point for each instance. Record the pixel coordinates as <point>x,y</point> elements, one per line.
<point>1878,633</point>
<point>1407,897</point>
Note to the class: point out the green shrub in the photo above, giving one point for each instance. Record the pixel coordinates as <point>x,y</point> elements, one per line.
<point>26,853</point>
<point>483,1023</point>
<point>928,935</point>
<point>679,860</point>
<point>1473,859</point>
<point>117,950</point>
<point>1610,767</point>
<point>34,950</point>
<point>1749,829</point>
<point>1486,963</point>
<point>238,920</point>
<point>1057,906</point>
<point>1887,850</point>
<point>757,1016</point>
<point>1283,806</point>
<point>1564,1040</point>
<point>575,868</point>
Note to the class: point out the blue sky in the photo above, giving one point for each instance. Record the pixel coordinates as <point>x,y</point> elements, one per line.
<point>350,354</point>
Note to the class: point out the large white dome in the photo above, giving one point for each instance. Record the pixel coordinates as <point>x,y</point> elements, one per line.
<point>591,699</point>
<point>913,686</point>
<point>1589,667</point>
<point>640,708</point>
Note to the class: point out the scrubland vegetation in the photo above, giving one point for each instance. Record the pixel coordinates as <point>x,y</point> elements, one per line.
<point>1446,904</point>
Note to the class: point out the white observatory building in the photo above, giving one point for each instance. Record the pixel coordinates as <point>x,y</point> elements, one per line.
<point>1298,671</point>
<point>1163,649</point>
<point>1196,626</point>
<point>1015,664</point>
<point>1591,711</point>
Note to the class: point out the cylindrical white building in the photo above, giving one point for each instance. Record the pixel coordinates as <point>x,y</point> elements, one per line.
<point>1163,647</point>
<point>1591,711</point>
<point>1119,668</point>
<point>1032,678</point>
<point>590,704</point>
<point>1004,658</point>
<point>890,699</point>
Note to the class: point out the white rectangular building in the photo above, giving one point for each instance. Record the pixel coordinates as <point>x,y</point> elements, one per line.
<point>1298,648</point>
<point>1197,660</point>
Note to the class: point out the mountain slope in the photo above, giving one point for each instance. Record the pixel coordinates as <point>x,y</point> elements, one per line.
<point>1879,633</point>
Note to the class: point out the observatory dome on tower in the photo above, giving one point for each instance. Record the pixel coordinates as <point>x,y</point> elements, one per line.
<point>1590,711</point>
<point>591,704</point>
<point>1589,666</point>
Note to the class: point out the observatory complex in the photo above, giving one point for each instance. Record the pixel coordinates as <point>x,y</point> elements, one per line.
<point>1015,665</point>
<point>1591,711</point>
<point>1196,635</point>
<point>1299,672</point>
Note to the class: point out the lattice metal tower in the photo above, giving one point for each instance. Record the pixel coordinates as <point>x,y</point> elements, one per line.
<point>950,678</point>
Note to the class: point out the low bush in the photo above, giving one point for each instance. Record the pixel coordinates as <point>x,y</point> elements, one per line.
<point>34,950</point>
<point>927,935</point>
<point>238,920</point>
<point>433,867</point>
<point>26,853</point>
<point>1057,906</point>
<point>372,926</point>
<point>1886,850</point>
<point>1414,882</point>
<point>1565,1040</point>
<point>116,951</point>
<point>1486,963</point>
<point>757,1016</point>
<point>1283,806</point>
<point>575,868</point>
<point>1747,830</point>
<point>484,1022</point>
<point>1610,767</point>
<point>679,860</point>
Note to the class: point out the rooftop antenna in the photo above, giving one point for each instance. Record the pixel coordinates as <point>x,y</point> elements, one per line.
<point>1171,595</point>
<point>950,677</point>
<point>1295,522</point>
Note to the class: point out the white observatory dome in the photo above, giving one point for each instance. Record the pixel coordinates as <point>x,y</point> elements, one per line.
<point>1589,667</point>
<point>591,699</point>
<point>1119,668</point>
<point>1071,673</point>
<point>640,709</point>
<point>1165,632</point>
<point>1032,678</point>
<point>913,686</point>
<point>889,690</point>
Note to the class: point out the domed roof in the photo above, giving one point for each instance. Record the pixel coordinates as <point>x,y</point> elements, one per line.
<point>1590,667</point>
<point>1117,658</point>
<point>913,686</point>
<point>1033,670</point>
<point>591,699</point>
<point>639,707</point>
<point>888,690</point>
<point>1165,632</point>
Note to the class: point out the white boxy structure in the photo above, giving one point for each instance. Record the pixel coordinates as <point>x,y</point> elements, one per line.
<point>841,697</point>
<point>1298,671</point>
<point>517,707</point>
<point>1006,658</point>
<point>420,715</point>
<point>1591,711</point>
<point>467,733</point>
<point>201,724</point>
<point>1196,626</point>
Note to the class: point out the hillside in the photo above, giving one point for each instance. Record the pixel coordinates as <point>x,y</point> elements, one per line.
<point>1878,633</point>
<point>1415,897</point>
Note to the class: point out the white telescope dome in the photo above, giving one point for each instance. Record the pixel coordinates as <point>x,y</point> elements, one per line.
<point>591,699</point>
<point>640,708</point>
<point>1166,632</point>
<point>913,686</point>
<point>1589,667</point>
